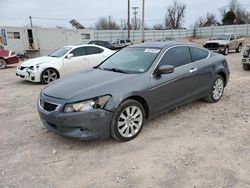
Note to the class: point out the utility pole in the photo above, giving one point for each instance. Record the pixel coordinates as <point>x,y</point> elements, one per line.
<point>109,22</point>
<point>143,23</point>
<point>129,19</point>
<point>31,24</point>
<point>135,13</point>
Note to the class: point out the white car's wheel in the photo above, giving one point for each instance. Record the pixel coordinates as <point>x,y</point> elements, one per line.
<point>3,64</point>
<point>49,75</point>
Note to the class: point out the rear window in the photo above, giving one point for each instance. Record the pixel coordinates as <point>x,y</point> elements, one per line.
<point>198,54</point>
<point>93,50</point>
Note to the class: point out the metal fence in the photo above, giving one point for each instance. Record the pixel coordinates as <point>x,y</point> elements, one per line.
<point>112,35</point>
<point>240,30</point>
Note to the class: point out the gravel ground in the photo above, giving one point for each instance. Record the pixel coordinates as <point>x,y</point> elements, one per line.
<point>199,145</point>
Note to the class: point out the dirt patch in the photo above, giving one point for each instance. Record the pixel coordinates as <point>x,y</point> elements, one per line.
<point>197,145</point>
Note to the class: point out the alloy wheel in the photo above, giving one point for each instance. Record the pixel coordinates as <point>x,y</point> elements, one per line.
<point>218,89</point>
<point>130,121</point>
<point>49,75</point>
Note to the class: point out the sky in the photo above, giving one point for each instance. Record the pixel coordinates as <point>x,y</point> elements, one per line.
<point>87,12</point>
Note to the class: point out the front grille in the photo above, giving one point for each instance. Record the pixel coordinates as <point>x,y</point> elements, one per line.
<point>21,68</point>
<point>47,106</point>
<point>212,46</point>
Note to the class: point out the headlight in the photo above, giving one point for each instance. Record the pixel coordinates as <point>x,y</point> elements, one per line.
<point>95,103</point>
<point>222,45</point>
<point>31,68</point>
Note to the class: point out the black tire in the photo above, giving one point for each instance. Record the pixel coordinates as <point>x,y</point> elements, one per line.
<point>211,97</point>
<point>3,63</point>
<point>226,50</point>
<point>238,50</point>
<point>115,130</point>
<point>246,67</point>
<point>55,77</point>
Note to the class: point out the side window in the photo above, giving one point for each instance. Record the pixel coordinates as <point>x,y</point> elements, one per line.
<point>93,50</point>
<point>198,54</point>
<point>176,57</point>
<point>122,41</point>
<point>232,37</point>
<point>79,52</point>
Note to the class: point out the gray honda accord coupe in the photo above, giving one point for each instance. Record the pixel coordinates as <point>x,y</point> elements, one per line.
<point>116,97</point>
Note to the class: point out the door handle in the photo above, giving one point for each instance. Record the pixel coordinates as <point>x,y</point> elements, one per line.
<point>192,70</point>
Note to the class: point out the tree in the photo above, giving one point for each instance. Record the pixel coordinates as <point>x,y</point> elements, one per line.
<point>234,10</point>
<point>175,14</point>
<point>229,18</point>
<point>106,24</point>
<point>137,25</point>
<point>158,27</point>
<point>208,20</point>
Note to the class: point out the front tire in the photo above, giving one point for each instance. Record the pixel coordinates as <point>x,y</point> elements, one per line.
<point>246,67</point>
<point>226,51</point>
<point>216,90</point>
<point>128,120</point>
<point>49,75</point>
<point>3,64</point>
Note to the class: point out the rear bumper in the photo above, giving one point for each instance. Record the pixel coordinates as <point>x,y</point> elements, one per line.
<point>89,125</point>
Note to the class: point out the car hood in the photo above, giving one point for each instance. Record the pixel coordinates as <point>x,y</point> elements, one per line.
<point>217,41</point>
<point>38,60</point>
<point>92,83</point>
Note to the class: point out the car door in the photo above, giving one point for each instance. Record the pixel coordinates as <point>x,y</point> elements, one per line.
<point>77,62</point>
<point>205,70</point>
<point>95,55</point>
<point>233,42</point>
<point>175,88</point>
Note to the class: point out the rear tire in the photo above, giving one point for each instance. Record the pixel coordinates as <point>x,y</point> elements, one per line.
<point>216,90</point>
<point>128,120</point>
<point>226,51</point>
<point>3,63</point>
<point>246,67</point>
<point>238,50</point>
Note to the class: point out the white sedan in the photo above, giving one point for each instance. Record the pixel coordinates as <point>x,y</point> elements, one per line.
<point>64,61</point>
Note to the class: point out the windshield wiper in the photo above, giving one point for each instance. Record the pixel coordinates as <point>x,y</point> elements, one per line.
<point>115,70</point>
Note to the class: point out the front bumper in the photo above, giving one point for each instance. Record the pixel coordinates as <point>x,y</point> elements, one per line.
<point>33,76</point>
<point>89,125</point>
<point>246,61</point>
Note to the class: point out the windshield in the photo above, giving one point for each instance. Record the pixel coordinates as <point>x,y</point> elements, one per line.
<point>220,37</point>
<point>60,52</point>
<point>131,60</point>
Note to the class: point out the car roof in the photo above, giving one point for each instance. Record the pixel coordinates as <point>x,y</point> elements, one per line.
<point>82,45</point>
<point>160,45</point>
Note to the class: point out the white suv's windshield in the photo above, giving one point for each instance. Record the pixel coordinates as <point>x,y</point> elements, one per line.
<point>60,52</point>
<point>131,60</point>
<point>220,37</point>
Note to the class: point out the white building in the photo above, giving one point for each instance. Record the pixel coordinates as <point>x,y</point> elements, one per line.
<point>41,41</point>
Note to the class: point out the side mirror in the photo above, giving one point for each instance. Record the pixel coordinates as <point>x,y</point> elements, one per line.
<point>69,56</point>
<point>165,69</point>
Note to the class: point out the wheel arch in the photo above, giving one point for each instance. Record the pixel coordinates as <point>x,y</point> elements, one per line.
<point>223,74</point>
<point>141,100</point>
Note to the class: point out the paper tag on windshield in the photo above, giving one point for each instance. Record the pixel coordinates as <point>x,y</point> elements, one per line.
<point>155,51</point>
